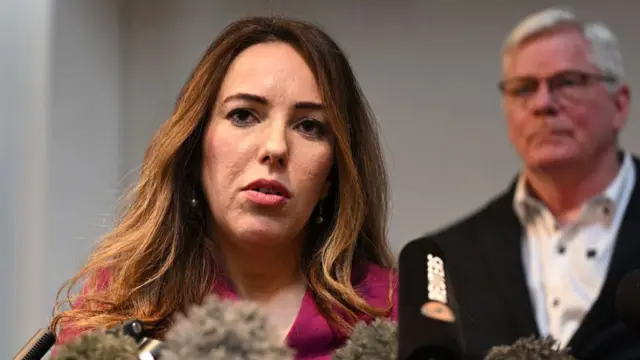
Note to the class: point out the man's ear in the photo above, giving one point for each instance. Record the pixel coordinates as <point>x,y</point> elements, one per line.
<point>622,102</point>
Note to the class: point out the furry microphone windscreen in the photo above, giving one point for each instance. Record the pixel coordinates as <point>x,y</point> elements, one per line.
<point>224,329</point>
<point>373,341</point>
<point>99,346</point>
<point>530,348</point>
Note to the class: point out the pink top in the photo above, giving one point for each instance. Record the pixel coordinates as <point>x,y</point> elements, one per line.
<point>310,335</point>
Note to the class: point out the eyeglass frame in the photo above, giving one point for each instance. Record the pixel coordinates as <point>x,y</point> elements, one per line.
<point>584,79</point>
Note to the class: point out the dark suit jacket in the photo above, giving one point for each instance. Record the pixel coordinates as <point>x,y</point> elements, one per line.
<point>484,263</point>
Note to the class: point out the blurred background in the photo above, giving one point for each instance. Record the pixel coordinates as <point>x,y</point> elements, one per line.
<point>85,83</point>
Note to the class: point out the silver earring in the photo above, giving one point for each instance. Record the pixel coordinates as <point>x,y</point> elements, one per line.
<point>319,218</point>
<point>194,202</point>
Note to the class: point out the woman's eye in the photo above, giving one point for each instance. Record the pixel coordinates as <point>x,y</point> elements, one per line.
<point>242,117</point>
<point>311,127</point>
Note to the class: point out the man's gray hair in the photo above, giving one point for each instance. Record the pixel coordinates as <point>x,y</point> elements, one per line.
<point>605,51</point>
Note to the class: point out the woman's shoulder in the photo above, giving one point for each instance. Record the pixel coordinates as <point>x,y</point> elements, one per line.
<point>68,329</point>
<point>376,283</point>
<point>368,273</point>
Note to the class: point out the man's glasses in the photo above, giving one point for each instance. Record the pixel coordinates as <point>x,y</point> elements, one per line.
<point>565,83</point>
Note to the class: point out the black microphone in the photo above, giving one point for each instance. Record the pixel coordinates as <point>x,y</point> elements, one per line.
<point>133,328</point>
<point>37,346</point>
<point>627,303</point>
<point>428,328</point>
<point>377,340</point>
<point>530,348</point>
<point>148,349</point>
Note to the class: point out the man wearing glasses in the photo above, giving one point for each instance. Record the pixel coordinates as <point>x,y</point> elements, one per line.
<point>546,256</point>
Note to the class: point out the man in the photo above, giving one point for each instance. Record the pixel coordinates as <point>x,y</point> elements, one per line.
<point>546,256</point>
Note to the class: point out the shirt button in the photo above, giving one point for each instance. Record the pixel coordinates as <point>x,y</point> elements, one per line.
<point>591,253</point>
<point>561,249</point>
<point>556,302</point>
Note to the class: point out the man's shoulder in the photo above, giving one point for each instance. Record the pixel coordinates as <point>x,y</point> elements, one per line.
<point>458,232</point>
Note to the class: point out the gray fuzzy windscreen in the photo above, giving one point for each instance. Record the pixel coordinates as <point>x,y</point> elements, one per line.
<point>98,346</point>
<point>530,348</point>
<point>373,341</point>
<point>224,329</point>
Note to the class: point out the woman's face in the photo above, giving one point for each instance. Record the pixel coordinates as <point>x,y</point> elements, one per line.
<point>268,148</point>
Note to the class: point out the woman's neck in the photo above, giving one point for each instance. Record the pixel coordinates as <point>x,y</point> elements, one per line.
<point>270,277</point>
<point>260,274</point>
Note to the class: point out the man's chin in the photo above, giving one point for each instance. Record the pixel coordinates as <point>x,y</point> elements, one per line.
<point>552,160</point>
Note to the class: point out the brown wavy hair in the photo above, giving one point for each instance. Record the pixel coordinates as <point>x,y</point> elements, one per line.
<point>139,269</point>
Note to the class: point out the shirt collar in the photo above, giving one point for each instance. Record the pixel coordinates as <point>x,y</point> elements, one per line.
<point>528,207</point>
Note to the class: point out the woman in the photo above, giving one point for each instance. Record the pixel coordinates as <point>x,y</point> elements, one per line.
<point>267,183</point>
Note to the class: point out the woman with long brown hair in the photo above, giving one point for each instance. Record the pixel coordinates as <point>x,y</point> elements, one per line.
<point>267,183</point>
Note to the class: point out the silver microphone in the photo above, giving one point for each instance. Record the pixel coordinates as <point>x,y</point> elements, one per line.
<point>150,349</point>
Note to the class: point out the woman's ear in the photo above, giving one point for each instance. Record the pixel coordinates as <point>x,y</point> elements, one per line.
<point>325,190</point>
<point>333,177</point>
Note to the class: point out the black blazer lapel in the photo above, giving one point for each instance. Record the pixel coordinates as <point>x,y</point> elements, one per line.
<point>625,258</point>
<point>501,238</point>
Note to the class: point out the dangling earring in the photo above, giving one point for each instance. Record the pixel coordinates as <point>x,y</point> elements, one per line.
<point>194,201</point>
<point>319,218</point>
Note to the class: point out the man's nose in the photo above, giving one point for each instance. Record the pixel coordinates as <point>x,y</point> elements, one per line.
<point>542,102</point>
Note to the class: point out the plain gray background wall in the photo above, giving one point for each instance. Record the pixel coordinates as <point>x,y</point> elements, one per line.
<point>86,83</point>
<point>60,111</point>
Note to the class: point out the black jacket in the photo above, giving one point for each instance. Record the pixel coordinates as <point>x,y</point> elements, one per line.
<point>484,263</point>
